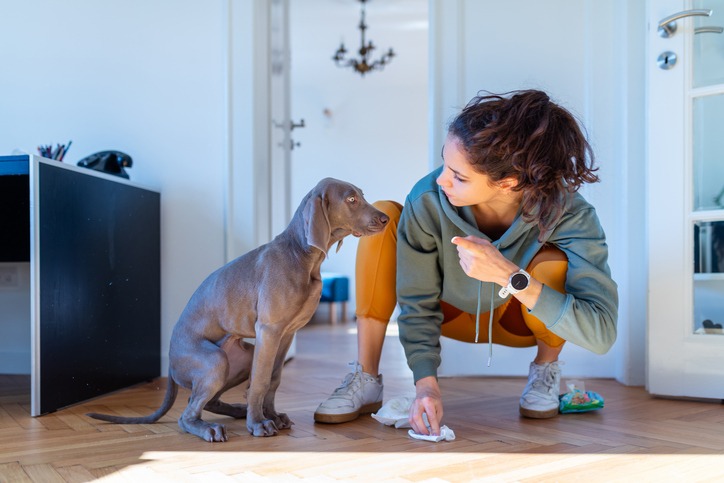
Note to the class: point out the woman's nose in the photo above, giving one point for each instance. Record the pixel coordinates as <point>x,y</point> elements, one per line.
<point>442,180</point>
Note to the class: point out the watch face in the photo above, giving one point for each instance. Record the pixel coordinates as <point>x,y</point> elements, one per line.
<point>519,281</point>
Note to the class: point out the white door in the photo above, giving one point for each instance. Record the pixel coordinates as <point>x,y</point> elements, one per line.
<point>279,93</point>
<point>281,142</point>
<point>686,200</point>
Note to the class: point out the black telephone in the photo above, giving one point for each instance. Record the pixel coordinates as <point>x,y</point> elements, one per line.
<point>111,162</point>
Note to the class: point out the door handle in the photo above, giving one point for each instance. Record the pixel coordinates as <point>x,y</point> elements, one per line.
<point>709,30</point>
<point>292,125</point>
<point>667,26</point>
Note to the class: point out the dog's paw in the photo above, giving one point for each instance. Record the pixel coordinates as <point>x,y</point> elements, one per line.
<point>211,432</point>
<point>215,433</point>
<point>263,428</point>
<point>282,421</point>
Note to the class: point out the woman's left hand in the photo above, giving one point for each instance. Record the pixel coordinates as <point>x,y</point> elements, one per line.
<point>479,259</point>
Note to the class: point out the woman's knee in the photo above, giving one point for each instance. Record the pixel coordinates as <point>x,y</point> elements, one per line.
<point>549,266</point>
<point>382,245</point>
<point>390,208</point>
<point>376,267</point>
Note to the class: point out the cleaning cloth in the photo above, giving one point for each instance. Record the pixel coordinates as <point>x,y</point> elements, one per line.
<point>446,434</point>
<point>395,412</point>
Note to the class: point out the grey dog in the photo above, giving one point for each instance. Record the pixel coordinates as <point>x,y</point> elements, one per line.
<point>268,294</point>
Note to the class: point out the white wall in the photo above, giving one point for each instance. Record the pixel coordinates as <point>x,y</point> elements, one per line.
<point>146,78</point>
<point>588,56</point>
<point>180,86</point>
<point>171,82</point>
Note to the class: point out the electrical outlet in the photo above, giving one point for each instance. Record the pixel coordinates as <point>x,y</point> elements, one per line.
<point>9,277</point>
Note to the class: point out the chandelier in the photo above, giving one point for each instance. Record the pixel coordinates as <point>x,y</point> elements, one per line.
<point>364,64</point>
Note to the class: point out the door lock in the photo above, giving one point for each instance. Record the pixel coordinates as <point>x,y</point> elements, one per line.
<point>666,60</point>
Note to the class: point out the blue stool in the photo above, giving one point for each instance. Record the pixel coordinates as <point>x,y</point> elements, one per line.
<point>335,290</point>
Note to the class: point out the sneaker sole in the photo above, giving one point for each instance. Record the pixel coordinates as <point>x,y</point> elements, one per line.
<point>346,417</point>
<point>533,414</point>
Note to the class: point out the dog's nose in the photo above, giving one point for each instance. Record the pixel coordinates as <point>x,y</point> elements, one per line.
<point>382,219</point>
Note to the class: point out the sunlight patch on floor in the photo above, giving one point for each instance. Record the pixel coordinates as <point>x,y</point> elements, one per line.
<point>381,466</point>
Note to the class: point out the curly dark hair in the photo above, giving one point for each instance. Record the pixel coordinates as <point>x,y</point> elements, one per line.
<point>525,136</point>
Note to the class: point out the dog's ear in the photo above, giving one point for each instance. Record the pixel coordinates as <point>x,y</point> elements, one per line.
<point>316,223</point>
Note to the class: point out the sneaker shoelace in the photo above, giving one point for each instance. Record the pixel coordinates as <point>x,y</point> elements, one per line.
<point>545,378</point>
<point>352,379</point>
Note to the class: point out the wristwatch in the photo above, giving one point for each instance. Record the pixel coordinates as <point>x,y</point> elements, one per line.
<point>516,283</point>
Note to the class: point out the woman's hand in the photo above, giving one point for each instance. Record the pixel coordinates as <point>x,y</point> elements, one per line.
<point>427,401</point>
<point>479,259</point>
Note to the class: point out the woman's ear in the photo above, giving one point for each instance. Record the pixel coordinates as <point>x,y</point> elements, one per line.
<point>508,183</point>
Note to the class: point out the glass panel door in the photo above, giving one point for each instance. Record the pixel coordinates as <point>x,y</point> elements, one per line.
<point>708,152</point>
<point>685,155</point>
<point>708,44</point>
<point>707,168</point>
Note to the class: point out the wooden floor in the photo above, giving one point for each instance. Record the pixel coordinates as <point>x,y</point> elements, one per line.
<point>634,438</point>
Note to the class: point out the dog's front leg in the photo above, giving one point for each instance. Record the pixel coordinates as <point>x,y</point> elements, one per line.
<point>281,420</point>
<point>267,347</point>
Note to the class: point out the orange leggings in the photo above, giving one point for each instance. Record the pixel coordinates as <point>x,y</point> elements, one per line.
<point>513,326</point>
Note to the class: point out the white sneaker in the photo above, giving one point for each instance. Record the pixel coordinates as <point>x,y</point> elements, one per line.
<point>540,396</point>
<point>359,393</point>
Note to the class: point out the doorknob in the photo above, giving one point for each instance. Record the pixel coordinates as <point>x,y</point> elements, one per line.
<point>667,26</point>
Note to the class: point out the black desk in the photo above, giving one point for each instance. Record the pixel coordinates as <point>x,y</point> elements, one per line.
<point>93,243</point>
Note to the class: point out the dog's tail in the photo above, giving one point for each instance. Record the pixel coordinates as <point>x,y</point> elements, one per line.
<point>168,400</point>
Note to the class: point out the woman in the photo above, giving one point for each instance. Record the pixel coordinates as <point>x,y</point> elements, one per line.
<point>497,237</point>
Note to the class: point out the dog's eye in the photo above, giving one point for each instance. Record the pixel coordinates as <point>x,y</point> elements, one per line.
<point>352,199</point>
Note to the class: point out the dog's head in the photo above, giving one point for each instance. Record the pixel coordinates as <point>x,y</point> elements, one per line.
<point>335,209</point>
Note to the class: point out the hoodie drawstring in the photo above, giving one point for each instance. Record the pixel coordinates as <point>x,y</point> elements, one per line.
<point>477,312</point>
<point>490,325</point>
<point>490,319</point>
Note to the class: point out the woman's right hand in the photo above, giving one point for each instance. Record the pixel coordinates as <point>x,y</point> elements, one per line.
<point>428,400</point>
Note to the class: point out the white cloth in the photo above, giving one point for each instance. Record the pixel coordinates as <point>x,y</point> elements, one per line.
<point>446,434</point>
<point>395,412</point>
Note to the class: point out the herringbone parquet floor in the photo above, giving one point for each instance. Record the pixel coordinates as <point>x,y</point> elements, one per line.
<point>634,438</point>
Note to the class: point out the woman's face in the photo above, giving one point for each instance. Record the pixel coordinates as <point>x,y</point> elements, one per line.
<point>462,185</point>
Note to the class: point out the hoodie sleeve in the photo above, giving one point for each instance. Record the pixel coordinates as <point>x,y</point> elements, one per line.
<point>419,284</point>
<point>586,314</point>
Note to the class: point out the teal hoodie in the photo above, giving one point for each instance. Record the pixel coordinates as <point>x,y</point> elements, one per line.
<point>428,270</point>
